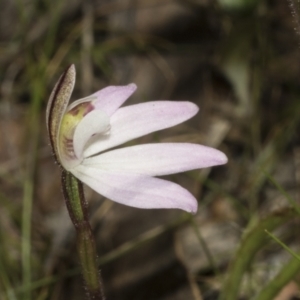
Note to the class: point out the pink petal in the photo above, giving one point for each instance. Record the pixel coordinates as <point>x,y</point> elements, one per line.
<point>137,120</point>
<point>95,122</point>
<point>111,98</point>
<point>136,190</point>
<point>158,159</point>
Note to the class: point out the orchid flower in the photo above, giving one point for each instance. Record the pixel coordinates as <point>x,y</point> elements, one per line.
<point>85,133</point>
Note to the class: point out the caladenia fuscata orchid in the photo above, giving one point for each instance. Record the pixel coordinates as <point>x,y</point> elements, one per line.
<point>84,132</point>
<point>84,136</point>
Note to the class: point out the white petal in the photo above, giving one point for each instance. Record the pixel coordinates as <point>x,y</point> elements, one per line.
<point>136,190</point>
<point>158,159</point>
<point>111,98</point>
<point>137,120</point>
<point>95,122</point>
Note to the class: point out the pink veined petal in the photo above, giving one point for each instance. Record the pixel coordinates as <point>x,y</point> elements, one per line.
<point>111,98</point>
<point>95,122</point>
<point>158,159</point>
<point>137,120</point>
<point>136,190</point>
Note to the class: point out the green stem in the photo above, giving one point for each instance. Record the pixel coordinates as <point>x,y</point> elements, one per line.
<point>254,239</point>
<point>77,207</point>
<point>29,183</point>
<point>26,235</point>
<point>286,274</point>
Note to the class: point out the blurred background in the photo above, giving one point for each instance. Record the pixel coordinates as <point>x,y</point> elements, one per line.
<point>239,61</point>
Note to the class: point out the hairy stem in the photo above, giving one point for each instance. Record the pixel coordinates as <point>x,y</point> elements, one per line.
<point>77,207</point>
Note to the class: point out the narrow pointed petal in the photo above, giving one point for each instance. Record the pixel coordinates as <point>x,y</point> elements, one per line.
<point>95,122</point>
<point>136,190</point>
<point>111,98</point>
<point>137,120</point>
<point>158,159</point>
<point>57,105</point>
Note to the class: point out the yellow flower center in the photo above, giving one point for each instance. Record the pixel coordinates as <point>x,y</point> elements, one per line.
<point>67,128</point>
